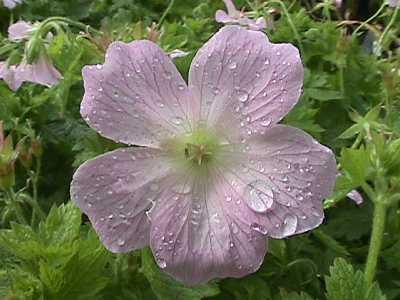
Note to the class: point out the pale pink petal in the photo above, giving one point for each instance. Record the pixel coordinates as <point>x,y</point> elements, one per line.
<point>223,17</point>
<point>7,73</point>
<point>196,236</point>
<point>137,96</point>
<point>245,83</point>
<point>177,53</point>
<point>20,30</point>
<point>40,72</point>
<point>356,197</point>
<point>394,3</point>
<point>115,190</point>
<point>11,4</point>
<point>283,177</point>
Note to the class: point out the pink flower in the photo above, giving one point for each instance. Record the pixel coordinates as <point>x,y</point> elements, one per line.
<point>356,197</point>
<point>237,17</point>
<point>41,72</point>
<point>214,174</point>
<point>394,3</point>
<point>7,73</point>
<point>11,4</point>
<point>20,31</point>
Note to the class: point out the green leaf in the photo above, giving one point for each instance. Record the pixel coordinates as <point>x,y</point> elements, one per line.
<point>344,283</point>
<point>167,288</point>
<point>356,164</point>
<point>294,296</point>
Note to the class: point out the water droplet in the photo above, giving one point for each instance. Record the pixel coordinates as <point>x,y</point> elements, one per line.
<point>233,66</point>
<point>266,62</point>
<point>168,75</point>
<point>121,242</point>
<point>161,263</point>
<point>228,198</point>
<point>216,91</point>
<point>289,225</point>
<point>177,120</point>
<point>243,97</point>
<point>181,87</point>
<point>259,196</point>
<point>265,122</point>
<point>99,67</point>
<point>258,74</point>
<point>259,228</point>
<point>110,192</point>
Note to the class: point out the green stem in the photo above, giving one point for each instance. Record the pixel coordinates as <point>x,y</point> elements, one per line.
<point>291,24</point>
<point>34,203</point>
<point>391,22</point>
<point>378,12</point>
<point>16,207</point>
<point>166,12</point>
<point>70,22</point>
<point>378,227</point>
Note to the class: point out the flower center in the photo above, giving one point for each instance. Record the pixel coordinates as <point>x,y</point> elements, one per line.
<point>196,150</point>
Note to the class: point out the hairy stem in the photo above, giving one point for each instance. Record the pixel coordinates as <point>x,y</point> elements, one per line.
<point>166,12</point>
<point>16,207</point>
<point>391,22</point>
<point>378,12</point>
<point>378,226</point>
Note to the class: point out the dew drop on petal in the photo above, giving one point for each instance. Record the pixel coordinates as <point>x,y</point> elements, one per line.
<point>121,242</point>
<point>259,196</point>
<point>161,263</point>
<point>289,224</point>
<point>233,66</point>
<point>259,228</point>
<point>243,97</point>
<point>177,120</point>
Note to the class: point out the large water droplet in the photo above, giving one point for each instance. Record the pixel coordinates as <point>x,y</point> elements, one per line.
<point>259,196</point>
<point>121,242</point>
<point>289,225</point>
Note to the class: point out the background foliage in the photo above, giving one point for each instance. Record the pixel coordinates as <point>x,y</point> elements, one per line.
<point>351,102</point>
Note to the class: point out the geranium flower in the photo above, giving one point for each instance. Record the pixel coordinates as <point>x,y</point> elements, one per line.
<point>7,73</point>
<point>20,30</point>
<point>214,174</point>
<point>41,72</point>
<point>238,17</point>
<point>394,3</point>
<point>11,4</point>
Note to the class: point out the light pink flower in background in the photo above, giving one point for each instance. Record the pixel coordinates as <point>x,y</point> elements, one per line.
<point>215,175</point>
<point>41,72</point>
<point>20,30</point>
<point>394,3</point>
<point>7,73</point>
<point>237,17</point>
<point>11,4</point>
<point>177,53</point>
<point>356,197</point>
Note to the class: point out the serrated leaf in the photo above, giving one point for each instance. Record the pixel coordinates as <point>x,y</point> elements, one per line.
<point>344,283</point>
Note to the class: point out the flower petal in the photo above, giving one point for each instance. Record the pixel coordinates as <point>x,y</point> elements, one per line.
<point>137,96</point>
<point>115,190</point>
<point>197,236</point>
<point>243,80</point>
<point>20,30</point>
<point>283,179</point>
<point>40,72</point>
<point>7,73</point>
